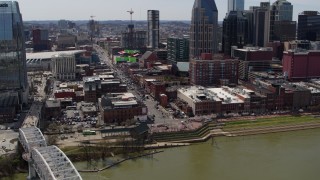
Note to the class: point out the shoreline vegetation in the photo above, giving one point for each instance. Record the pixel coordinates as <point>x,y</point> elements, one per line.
<point>121,161</point>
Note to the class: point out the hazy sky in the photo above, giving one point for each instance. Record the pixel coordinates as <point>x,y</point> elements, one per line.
<point>116,9</point>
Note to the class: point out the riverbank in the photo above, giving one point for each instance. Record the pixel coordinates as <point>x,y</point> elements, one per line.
<point>266,130</point>
<point>290,155</point>
<point>240,127</point>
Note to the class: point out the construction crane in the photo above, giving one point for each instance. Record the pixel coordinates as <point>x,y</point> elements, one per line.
<point>131,12</point>
<point>92,26</point>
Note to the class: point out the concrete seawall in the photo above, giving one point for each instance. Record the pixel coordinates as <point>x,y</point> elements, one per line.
<point>275,129</point>
<point>252,131</point>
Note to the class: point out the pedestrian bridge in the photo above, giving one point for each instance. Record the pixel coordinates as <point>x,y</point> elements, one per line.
<point>45,162</point>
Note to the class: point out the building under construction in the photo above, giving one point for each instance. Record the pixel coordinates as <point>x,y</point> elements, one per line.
<point>94,28</point>
<point>132,39</point>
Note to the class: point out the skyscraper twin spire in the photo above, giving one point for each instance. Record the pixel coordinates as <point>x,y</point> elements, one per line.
<point>204,25</point>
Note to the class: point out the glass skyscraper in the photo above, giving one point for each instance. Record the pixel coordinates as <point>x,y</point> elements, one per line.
<point>204,28</point>
<point>309,26</point>
<point>13,74</point>
<point>235,5</point>
<point>283,10</point>
<point>282,28</point>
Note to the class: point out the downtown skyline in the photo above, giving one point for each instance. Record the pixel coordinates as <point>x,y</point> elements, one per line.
<point>82,10</point>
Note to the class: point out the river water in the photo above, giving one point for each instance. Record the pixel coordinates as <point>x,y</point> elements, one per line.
<point>279,156</point>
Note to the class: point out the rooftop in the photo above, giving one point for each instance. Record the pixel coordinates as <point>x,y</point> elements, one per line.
<point>313,89</point>
<point>255,49</point>
<point>88,107</point>
<point>226,95</point>
<point>49,55</point>
<point>53,103</point>
<point>91,79</point>
<point>64,90</point>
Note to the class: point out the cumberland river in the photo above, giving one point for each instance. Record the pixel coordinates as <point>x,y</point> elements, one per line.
<point>290,155</point>
<point>280,156</point>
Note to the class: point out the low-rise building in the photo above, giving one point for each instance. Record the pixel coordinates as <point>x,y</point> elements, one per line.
<point>52,108</point>
<point>113,86</point>
<point>222,100</point>
<point>88,109</point>
<point>91,88</point>
<point>117,108</point>
<point>65,93</point>
<point>157,88</point>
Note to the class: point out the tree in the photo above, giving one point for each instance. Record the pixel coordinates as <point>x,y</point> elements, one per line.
<point>52,140</point>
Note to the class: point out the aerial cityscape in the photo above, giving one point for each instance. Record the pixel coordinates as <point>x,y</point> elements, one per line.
<point>221,90</point>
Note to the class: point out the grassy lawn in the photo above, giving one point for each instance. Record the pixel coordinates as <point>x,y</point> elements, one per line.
<point>275,121</point>
<point>72,150</point>
<point>20,176</point>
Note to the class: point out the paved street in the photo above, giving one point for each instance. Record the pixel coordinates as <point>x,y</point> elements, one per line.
<point>161,115</point>
<point>34,114</point>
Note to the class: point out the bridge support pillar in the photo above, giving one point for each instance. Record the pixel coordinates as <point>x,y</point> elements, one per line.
<point>32,172</point>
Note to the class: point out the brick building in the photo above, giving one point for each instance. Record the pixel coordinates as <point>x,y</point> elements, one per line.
<point>157,88</point>
<point>41,40</point>
<point>52,108</point>
<point>253,59</point>
<point>301,64</point>
<point>220,100</point>
<point>163,100</point>
<point>117,108</point>
<point>206,72</point>
<point>91,88</point>
<point>113,86</point>
<point>65,93</point>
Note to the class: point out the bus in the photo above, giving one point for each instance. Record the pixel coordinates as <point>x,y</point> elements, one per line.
<point>88,132</point>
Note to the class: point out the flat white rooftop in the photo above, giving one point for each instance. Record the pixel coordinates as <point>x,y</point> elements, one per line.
<point>225,96</point>
<point>124,103</point>
<point>49,55</point>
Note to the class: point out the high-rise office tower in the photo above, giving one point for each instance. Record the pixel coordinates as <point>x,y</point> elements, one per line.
<point>309,26</point>
<point>63,24</point>
<point>261,24</point>
<point>13,74</point>
<point>235,31</point>
<point>40,40</point>
<point>282,28</point>
<point>204,27</point>
<point>235,5</point>
<point>248,14</point>
<point>178,50</point>
<point>283,10</point>
<point>153,29</point>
